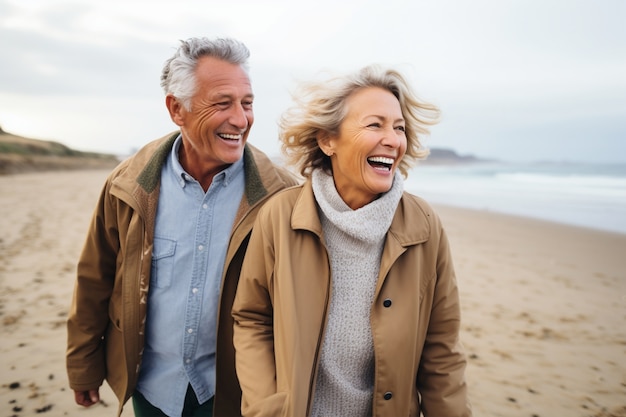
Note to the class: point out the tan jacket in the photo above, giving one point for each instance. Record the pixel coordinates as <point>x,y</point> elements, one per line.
<point>107,316</point>
<point>280,312</point>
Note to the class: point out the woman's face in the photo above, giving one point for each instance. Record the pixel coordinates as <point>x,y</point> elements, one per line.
<point>370,144</point>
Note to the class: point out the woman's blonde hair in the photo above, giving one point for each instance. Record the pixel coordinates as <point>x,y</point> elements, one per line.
<point>321,107</point>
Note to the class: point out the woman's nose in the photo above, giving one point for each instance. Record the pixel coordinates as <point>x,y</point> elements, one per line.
<point>393,138</point>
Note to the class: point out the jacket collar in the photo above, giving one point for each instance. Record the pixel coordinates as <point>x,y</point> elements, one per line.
<point>255,189</point>
<point>410,224</point>
<point>257,168</point>
<point>139,177</point>
<point>305,215</point>
<point>150,176</point>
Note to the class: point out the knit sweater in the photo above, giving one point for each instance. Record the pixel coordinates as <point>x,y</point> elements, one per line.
<point>355,240</point>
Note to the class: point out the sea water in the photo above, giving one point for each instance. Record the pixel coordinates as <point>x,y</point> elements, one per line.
<point>586,195</point>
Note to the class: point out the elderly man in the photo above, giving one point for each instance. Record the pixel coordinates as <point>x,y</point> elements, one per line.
<point>158,272</point>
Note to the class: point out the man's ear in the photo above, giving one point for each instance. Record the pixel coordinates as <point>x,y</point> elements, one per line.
<point>325,142</point>
<point>176,109</point>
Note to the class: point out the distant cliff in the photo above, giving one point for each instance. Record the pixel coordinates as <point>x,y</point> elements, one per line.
<point>448,156</point>
<point>19,154</point>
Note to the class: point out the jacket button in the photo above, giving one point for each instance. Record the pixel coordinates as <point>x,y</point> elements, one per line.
<point>388,396</point>
<point>387,303</point>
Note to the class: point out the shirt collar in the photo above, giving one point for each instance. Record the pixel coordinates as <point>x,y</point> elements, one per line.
<point>225,176</point>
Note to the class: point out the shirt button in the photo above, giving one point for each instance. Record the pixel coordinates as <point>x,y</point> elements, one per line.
<point>387,303</point>
<point>189,331</point>
<point>187,360</point>
<point>388,396</point>
<point>200,247</point>
<point>205,206</point>
<point>195,290</point>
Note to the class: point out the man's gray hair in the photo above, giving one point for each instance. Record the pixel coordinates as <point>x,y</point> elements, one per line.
<point>178,76</point>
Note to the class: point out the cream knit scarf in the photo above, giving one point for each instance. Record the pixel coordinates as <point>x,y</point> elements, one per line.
<point>355,240</point>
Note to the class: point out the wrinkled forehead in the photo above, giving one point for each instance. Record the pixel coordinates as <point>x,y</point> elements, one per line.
<point>223,78</point>
<point>374,101</point>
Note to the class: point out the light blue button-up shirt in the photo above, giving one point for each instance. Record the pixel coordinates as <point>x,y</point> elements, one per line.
<point>191,237</point>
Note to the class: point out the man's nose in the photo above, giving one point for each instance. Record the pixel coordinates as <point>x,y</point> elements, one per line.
<point>239,117</point>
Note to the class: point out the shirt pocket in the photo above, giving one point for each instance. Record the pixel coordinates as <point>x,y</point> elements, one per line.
<point>162,262</point>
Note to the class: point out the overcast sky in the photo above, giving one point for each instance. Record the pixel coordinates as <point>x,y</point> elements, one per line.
<point>516,80</point>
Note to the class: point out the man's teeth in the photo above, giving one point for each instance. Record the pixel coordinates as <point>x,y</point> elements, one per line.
<point>227,136</point>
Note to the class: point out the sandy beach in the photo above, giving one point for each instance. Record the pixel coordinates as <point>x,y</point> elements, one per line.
<point>544,305</point>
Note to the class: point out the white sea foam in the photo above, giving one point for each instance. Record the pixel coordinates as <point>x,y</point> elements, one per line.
<point>579,194</point>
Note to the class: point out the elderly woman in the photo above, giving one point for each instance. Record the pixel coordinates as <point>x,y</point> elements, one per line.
<point>347,302</point>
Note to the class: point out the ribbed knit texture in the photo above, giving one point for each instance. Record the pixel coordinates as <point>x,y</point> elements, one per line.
<point>355,240</point>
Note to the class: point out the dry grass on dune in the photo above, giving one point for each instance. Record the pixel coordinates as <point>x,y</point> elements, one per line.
<point>19,155</point>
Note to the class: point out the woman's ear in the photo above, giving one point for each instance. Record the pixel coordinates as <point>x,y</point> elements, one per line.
<point>325,142</point>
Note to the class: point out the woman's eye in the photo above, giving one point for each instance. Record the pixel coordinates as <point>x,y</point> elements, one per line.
<point>401,128</point>
<point>374,125</point>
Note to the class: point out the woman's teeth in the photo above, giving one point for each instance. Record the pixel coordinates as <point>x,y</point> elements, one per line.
<point>380,162</point>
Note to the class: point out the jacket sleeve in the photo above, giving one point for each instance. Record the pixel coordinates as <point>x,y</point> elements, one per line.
<point>253,328</point>
<point>441,376</point>
<point>89,313</point>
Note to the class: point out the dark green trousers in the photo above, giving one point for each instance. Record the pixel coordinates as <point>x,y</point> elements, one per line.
<point>192,408</point>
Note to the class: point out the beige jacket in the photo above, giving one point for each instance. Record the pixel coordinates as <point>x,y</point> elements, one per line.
<point>281,306</point>
<point>107,316</point>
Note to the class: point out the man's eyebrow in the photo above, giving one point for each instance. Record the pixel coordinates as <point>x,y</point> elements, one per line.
<point>221,96</point>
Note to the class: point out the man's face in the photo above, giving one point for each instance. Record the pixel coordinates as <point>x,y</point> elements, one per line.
<point>216,127</point>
